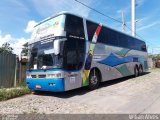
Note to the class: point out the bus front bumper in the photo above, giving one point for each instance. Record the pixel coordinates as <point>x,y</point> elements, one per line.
<point>49,84</point>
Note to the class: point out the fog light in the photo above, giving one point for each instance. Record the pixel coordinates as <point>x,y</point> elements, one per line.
<point>55,75</point>
<point>59,75</point>
<point>28,76</point>
<point>27,83</point>
<point>50,76</point>
<point>52,84</point>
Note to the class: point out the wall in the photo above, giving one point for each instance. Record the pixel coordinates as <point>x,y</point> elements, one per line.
<point>7,70</point>
<point>150,63</point>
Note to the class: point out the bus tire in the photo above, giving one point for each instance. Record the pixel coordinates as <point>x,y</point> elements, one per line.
<point>136,71</point>
<point>140,70</point>
<point>94,79</point>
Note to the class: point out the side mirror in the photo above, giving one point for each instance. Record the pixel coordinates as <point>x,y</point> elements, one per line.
<point>57,45</point>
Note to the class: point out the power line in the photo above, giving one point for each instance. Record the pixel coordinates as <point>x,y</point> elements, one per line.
<point>98,11</point>
<point>112,19</point>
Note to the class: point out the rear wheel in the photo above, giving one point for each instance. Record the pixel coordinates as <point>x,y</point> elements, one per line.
<point>94,80</point>
<point>140,70</point>
<point>136,71</point>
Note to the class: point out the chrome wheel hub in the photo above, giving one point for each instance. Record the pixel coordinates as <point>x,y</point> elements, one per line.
<point>94,80</point>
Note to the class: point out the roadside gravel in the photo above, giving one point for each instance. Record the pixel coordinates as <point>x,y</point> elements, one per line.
<point>41,104</point>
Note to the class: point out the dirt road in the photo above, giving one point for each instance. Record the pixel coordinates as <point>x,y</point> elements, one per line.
<point>127,95</point>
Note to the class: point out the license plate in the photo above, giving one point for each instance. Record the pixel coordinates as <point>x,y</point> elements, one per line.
<point>38,86</point>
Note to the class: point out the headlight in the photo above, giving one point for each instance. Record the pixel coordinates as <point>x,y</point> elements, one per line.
<point>56,75</point>
<point>28,76</point>
<point>50,76</point>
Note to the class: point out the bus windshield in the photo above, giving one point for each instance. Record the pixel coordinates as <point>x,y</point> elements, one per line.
<point>42,56</point>
<point>44,50</point>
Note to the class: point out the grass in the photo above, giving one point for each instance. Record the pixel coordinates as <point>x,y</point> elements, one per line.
<point>8,93</point>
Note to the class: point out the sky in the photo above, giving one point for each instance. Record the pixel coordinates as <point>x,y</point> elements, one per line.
<point>18,17</point>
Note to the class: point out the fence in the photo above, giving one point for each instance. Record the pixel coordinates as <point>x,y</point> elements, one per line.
<point>7,70</point>
<point>150,63</point>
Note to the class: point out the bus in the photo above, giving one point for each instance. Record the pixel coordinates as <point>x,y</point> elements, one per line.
<point>67,51</point>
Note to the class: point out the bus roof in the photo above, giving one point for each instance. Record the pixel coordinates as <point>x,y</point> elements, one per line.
<point>66,12</point>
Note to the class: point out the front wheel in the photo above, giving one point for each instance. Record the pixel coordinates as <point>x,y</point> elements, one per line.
<point>36,92</point>
<point>94,80</point>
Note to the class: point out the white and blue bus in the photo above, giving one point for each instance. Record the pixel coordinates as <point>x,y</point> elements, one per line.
<point>68,52</point>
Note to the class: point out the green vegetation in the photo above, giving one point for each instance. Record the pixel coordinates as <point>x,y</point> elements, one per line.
<point>5,48</point>
<point>154,57</point>
<point>8,93</point>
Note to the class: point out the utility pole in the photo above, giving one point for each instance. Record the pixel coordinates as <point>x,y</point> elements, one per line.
<point>133,17</point>
<point>123,22</point>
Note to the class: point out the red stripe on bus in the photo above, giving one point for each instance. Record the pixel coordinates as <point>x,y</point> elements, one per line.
<point>98,30</point>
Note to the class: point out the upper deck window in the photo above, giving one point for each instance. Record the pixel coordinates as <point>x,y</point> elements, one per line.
<point>74,26</point>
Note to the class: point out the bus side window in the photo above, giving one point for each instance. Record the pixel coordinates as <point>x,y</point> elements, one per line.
<point>75,54</point>
<point>112,37</point>
<point>91,29</point>
<point>74,26</point>
<point>103,36</point>
<point>143,47</point>
<point>75,44</point>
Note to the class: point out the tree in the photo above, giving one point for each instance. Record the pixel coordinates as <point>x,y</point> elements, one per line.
<point>158,57</point>
<point>155,57</point>
<point>25,49</point>
<point>6,48</point>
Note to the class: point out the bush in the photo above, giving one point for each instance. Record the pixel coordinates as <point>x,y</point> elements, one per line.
<point>9,93</point>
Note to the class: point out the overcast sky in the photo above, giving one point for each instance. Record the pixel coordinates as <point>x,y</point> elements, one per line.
<point>17,17</point>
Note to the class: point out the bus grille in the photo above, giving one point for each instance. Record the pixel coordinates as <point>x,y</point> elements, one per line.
<point>41,76</point>
<point>33,76</point>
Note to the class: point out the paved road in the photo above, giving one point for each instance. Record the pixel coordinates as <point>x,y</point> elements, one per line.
<point>127,95</point>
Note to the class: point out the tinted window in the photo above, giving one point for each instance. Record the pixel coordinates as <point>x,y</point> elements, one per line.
<point>74,54</point>
<point>130,43</point>
<point>143,47</point>
<point>140,45</point>
<point>123,41</point>
<point>74,26</point>
<point>103,35</point>
<point>91,28</point>
<point>136,44</point>
<point>112,37</point>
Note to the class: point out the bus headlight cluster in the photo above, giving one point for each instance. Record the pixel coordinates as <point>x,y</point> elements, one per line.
<point>55,75</point>
<point>28,76</point>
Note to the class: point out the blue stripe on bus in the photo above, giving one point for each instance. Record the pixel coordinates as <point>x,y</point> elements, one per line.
<point>113,60</point>
<point>46,84</point>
